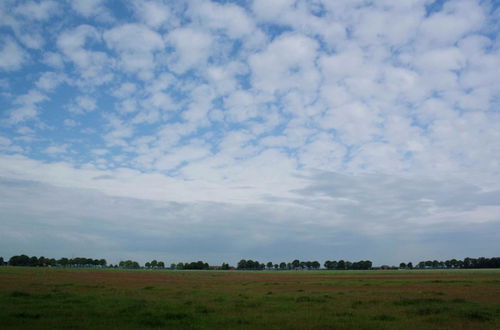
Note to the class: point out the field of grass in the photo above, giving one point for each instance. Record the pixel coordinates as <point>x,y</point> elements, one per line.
<point>43,298</point>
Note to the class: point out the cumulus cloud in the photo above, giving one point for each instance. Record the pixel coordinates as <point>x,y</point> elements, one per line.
<point>154,13</point>
<point>26,106</point>
<point>92,65</point>
<point>192,48</point>
<point>136,45</point>
<point>286,63</point>
<point>37,10</point>
<point>12,55</point>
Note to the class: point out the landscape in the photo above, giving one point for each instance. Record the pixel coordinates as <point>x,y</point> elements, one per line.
<point>76,298</point>
<point>249,164</point>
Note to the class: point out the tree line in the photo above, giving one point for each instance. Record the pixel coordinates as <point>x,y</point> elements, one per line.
<point>466,263</point>
<point>24,260</point>
<point>347,265</point>
<point>200,265</point>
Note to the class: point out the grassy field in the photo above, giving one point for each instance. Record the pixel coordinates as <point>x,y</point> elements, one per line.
<point>43,298</point>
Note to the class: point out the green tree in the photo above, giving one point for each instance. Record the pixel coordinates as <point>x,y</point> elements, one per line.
<point>296,263</point>
<point>282,265</point>
<point>402,265</point>
<point>161,264</point>
<point>147,265</point>
<point>242,264</point>
<point>270,265</point>
<point>154,264</point>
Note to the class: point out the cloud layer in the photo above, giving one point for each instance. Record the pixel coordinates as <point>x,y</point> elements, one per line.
<point>345,127</point>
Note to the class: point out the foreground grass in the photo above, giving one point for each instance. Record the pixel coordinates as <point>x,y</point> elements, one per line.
<point>36,298</point>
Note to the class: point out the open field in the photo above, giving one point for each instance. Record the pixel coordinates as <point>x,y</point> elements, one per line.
<point>42,298</point>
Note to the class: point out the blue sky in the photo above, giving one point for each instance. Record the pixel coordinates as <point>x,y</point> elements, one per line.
<point>271,130</point>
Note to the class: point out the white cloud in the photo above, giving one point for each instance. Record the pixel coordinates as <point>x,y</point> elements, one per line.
<point>136,45</point>
<point>54,60</point>
<point>93,66</point>
<point>48,81</point>
<point>133,38</point>
<point>12,55</point>
<point>27,106</point>
<point>37,10</point>
<point>457,19</point>
<point>288,62</point>
<point>119,131</point>
<point>125,90</point>
<point>56,149</point>
<point>154,13</point>
<point>192,48</point>
<point>86,103</point>
<point>91,8</point>
<point>230,18</point>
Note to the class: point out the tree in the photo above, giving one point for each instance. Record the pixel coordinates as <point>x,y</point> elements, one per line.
<point>129,264</point>
<point>402,265</point>
<point>341,265</point>
<point>154,264</point>
<point>410,265</point>
<point>161,264</point>
<point>224,266</point>
<point>282,265</point>
<point>172,266</point>
<point>22,260</point>
<point>33,262</point>
<point>296,263</point>
<point>147,265</point>
<point>63,262</point>
<point>242,264</point>
<point>270,265</point>
<point>316,265</point>
<point>1,261</point>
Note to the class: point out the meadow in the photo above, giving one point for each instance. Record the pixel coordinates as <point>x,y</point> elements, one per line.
<point>57,298</point>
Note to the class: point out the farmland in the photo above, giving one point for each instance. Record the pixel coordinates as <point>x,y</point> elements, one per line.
<point>44,298</point>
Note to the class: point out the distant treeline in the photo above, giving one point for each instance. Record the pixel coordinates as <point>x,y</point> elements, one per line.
<point>190,265</point>
<point>304,265</point>
<point>467,263</point>
<point>296,264</point>
<point>341,265</point>
<point>24,260</point>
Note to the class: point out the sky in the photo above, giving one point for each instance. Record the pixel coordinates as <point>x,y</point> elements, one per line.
<point>268,130</point>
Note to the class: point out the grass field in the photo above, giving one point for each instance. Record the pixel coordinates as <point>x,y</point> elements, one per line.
<point>43,298</point>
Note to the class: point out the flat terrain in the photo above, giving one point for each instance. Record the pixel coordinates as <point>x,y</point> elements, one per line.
<point>43,298</point>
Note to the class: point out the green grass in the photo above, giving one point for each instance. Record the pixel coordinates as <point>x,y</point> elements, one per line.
<point>36,298</point>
